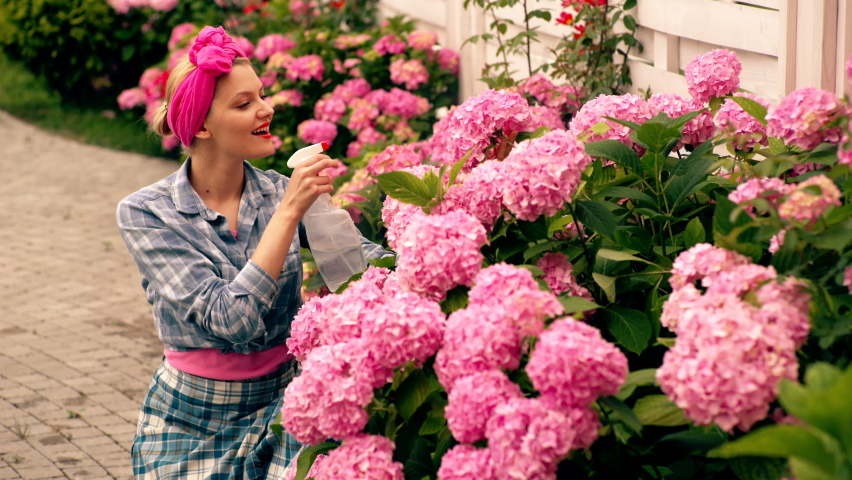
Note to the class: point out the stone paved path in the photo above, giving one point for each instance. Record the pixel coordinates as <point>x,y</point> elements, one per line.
<point>77,342</point>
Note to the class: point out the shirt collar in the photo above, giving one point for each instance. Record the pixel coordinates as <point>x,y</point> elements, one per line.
<point>187,200</point>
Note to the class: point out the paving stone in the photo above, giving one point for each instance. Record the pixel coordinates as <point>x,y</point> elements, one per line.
<point>8,473</point>
<point>39,473</point>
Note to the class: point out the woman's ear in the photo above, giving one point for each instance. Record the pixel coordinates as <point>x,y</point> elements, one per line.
<point>203,133</point>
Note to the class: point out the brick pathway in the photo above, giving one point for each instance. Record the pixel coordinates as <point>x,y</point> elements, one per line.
<point>77,343</point>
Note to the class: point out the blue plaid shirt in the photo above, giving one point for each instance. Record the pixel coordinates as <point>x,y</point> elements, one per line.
<point>205,290</point>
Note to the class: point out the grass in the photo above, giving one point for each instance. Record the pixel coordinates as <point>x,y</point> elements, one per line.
<point>27,97</point>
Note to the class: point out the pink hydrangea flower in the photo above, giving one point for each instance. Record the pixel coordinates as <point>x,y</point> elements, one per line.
<point>362,115</point>
<point>163,5</point>
<point>317,131</point>
<point>624,107</point>
<point>301,9</point>
<point>847,278</point>
<point>399,102</point>
<point>528,439</point>
<point>327,399</point>
<point>714,74</point>
<point>267,78</point>
<point>740,127</point>
<point>389,44</point>
<point>543,116</point>
<point>466,462</point>
<point>573,365</point>
<point>448,59</point>
<point>412,73</point>
<point>477,339</point>
<point>179,33</point>
<point>352,89</point>
<point>422,39</point>
<point>272,44</point>
<point>397,216</point>
<point>541,175</point>
<point>474,123</point>
<point>438,252</point>
<point>290,472</point>
<point>517,293</point>
<point>804,206</point>
<point>696,131</point>
<point>329,108</point>
<point>558,273</point>
<point>539,87</point>
<point>394,157</point>
<point>151,78</point>
<point>245,45</point>
<point>472,402</point>
<point>287,97</point>
<point>170,142</point>
<point>478,194</point>
<point>772,189</point>
<point>131,98</point>
<point>368,457</point>
<point>176,57</point>
<point>801,117</point>
<point>343,42</point>
<point>703,262</point>
<point>306,68</point>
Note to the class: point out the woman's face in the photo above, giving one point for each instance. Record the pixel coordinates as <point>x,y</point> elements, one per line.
<point>238,122</point>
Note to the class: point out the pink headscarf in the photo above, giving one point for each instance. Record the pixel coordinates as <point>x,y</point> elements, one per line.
<point>213,53</point>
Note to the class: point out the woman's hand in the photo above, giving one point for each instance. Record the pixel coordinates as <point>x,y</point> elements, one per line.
<point>306,184</point>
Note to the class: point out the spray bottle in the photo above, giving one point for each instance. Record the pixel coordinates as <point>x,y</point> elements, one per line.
<point>335,242</point>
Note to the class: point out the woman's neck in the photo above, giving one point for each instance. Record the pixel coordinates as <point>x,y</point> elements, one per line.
<point>217,180</point>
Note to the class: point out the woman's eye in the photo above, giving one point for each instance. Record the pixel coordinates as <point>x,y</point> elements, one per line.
<point>264,97</point>
<point>244,105</point>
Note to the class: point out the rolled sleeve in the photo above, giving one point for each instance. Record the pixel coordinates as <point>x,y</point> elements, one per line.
<point>186,286</point>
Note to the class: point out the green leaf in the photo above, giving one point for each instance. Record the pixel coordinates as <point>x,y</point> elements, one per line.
<point>616,151</point>
<point>782,441</point>
<point>538,133</point>
<point>694,233</point>
<point>629,4</point>
<point>836,237</point>
<point>536,272</point>
<point>623,412</point>
<point>617,256</point>
<point>682,167</point>
<point>639,378</point>
<point>629,22</point>
<point>308,455</point>
<point>412,393</point>
<point>276,427</point>
<point>577,304</point>
<point>456,299</point>
<point>534,231</point>
<point>596,216</point>
<point>434,422</point>
<point>545,246</point>
<point>680,121</point>
<point>405,187</point>
<point>701,438</point>
<point>660,411</point>
<point>752,108</point>
<point>758,468</point>
<point>776,145</point>
<point>625,192</point>
<point>656,136</point>
<point>631,328</point>
<point>681,185</point>
<point>607,284</point>
<point>384,262</point>
<point>819,404</point>
<point>457,168</point>
<point>633,238</point>
<point>804,470</point>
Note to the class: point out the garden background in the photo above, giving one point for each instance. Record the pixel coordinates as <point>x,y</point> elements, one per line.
<point>585,212</point>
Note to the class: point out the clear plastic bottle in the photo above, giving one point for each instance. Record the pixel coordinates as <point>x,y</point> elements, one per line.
<point>335,241</point>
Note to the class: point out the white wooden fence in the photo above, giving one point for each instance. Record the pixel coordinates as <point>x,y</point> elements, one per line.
<point>782,44</point>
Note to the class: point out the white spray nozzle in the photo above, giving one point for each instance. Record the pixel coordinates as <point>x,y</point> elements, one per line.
<point>306,152</point>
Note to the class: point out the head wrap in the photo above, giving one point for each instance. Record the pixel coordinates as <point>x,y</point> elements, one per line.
<point>213,53</point>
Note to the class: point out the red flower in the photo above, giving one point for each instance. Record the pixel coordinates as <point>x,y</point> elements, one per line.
<point>581,29</point>
<point>338,4</point>
<point>565,18</point>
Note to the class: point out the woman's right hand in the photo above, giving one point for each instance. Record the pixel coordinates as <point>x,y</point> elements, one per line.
<point>306,184</point>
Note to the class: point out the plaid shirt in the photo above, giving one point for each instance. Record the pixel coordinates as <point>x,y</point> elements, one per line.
<point>205,290</point>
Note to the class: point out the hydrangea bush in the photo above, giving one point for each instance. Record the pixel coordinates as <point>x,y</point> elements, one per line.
<point>659,290</point>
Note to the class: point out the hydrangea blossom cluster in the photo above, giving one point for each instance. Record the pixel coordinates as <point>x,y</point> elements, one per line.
<point>395,157</point>
<point>847,278</point>
<point>714,74</point>
<point>290,472</point>
<point>551,96</point>
<point>730,352</point>
<point>345,41</point>
<point>306,68</point>
<point>179,33</point>
<point>558,273</point>
<point>624,107</point>
<point>438,252</point>
<point>478,194</point>
<point>472,402</point>
<point>124,6</point>
<point>398,215</point>
<point>448,59</point>
<point>540,175</point>
<point>364,457</point>
<point>317,131</point>
<point>740,127</point>
<point>466,462</point>
<point>801,118</point>
<point>350,344</point>
<point>515,291</point>
<point>272,44</point>
<point>289,97</point>
<point>696,131</point>
<point>389,44</point>
<point>412,73</point>
<point>771,189</point>
<point>804,206</point>
<point>422,39</point>
<point>474,123</point>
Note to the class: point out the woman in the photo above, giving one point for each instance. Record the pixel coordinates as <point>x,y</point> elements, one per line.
<point>217,246</point>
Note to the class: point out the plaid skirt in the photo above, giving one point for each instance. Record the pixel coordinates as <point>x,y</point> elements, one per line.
<point>197,428</point>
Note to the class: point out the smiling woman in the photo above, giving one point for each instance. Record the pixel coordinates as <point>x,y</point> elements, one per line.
<point>217,248</point>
